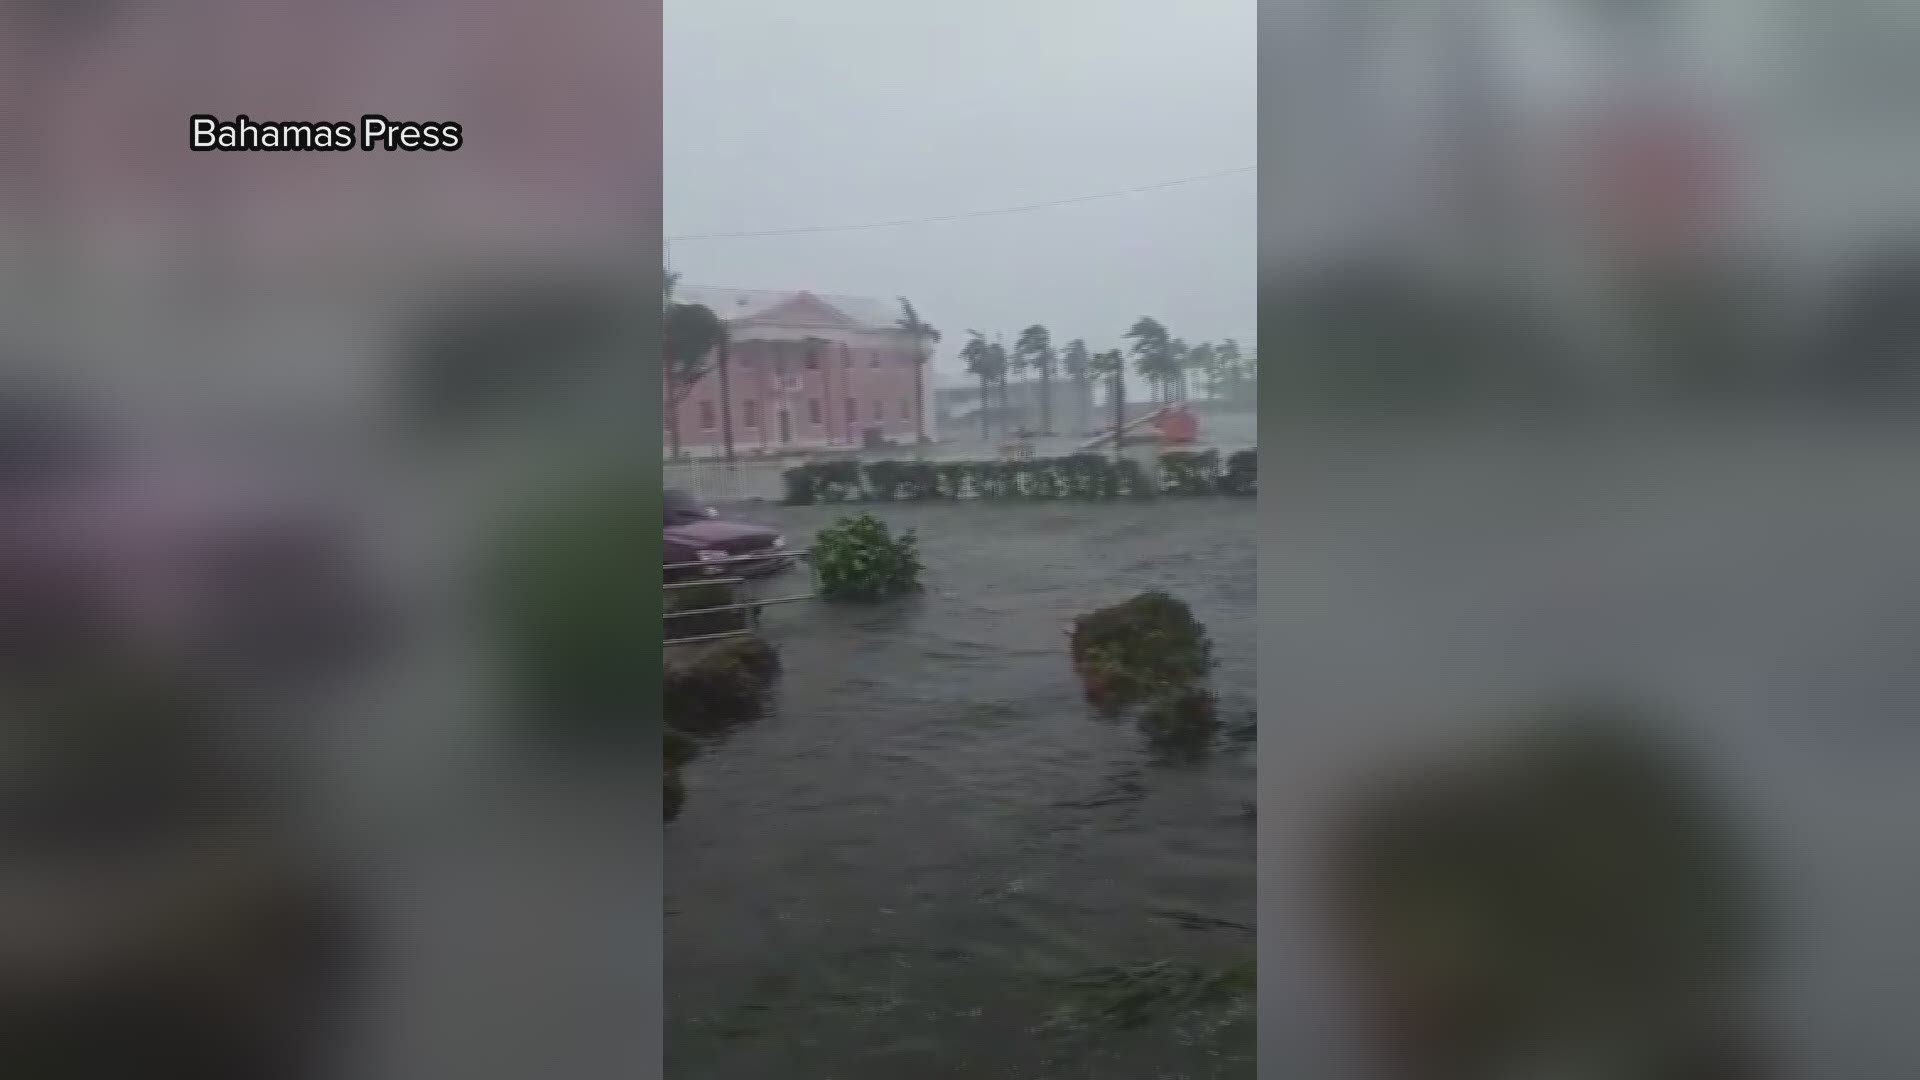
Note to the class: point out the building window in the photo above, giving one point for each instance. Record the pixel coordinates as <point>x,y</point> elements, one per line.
<point>905,412</point>
<point>853,411</point>
<point>751,415</point>
<point>813,360</point>
<point>706,415</point>
<point>879,413</point>
<point>813,411</point>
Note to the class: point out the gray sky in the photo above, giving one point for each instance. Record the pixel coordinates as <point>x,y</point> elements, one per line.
<point>848,111</point>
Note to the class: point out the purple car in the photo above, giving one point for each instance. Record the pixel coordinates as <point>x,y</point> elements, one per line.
<point>696,534</point>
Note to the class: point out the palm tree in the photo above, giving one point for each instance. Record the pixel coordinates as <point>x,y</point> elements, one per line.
<point>1002,365</point>
<point>1204,359</point>
<point>978,357</point>
<point>693,334</point>
<point>1152,356</point>
<point>1036,347</point>
<point>1075,360</point>
<point>722,366</point>
<point>1177,359</point>
<point>1016,372</point>
<point>1112,365</point>
<point>924,338</point>
<point>1232,367</point>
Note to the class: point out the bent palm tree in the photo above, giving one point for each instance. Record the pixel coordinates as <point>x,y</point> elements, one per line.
<point>1204,360</point>
<point>1152,356</point>
<point>1035,347</point>
<point>1232,367</point>
<point>924,338</point>
<point>1075,360</point>
<point>977,355</point>
<point>1002,366</point>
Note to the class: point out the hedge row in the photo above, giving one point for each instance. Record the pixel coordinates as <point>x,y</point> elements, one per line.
<point>1077,476</point>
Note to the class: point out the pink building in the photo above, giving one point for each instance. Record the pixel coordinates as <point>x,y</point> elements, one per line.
<point>806,371</point>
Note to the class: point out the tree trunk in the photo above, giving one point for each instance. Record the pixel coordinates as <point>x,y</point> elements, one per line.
<point>1119,412</point>
<point>673,424</point>
<point>920,399</point>
<point>1046,402</point>
<point>986,403</point>
<point>726,402</point>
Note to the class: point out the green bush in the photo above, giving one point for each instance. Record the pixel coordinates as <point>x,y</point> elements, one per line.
<point>724,686</point>
<point>1181,717</point>
<point>799,482</point>
<point>857,558</point>
<point>1243,474</point>
<point>727,684</point>
<point>1138,650</point>
<point>1187,472</point>
<point>1076,476</point>
<point>677,747</point>
<point>839,482</point>
<point>702,598</point>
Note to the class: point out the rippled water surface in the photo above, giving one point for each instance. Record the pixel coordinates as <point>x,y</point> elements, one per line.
<point>884,876</point>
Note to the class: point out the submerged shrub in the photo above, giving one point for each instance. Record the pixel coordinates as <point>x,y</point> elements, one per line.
<point>1181,717</point>
<point>1139,649</point>
<point>755,655</point>
<point>725,685</point>
<point>1130,480</point>
<point>1188,472</point>
<point>677,747</point>
<point>702,598</point>
<point>1076,476</point>
<point>1575,883</point>
<point>1243,474</point>
<point>858,559</point>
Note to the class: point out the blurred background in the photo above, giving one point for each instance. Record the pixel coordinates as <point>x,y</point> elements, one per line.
<point>1587,648</point>
<point>263,418</point>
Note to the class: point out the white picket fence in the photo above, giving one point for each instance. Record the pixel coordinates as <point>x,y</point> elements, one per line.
<point>717,481</point>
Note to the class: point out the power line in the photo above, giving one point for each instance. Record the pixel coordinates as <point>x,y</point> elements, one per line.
<point>964,215</point>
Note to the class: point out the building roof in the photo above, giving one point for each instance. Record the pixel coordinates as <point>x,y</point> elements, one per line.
<point>744,305</point>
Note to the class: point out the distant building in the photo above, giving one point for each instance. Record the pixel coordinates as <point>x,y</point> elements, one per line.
<point>805,371</point>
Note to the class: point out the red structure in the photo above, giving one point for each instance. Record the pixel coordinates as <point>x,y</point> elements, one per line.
<point>805,372</point>
<point>1177,425</point>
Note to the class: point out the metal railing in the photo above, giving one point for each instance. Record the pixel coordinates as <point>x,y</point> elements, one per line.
<point>750,606</point>
<point>717,481</point>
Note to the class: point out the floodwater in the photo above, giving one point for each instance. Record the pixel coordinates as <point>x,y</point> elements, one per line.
<point>886,876</point>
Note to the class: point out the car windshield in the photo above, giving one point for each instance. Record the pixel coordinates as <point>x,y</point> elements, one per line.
<point>681,508</point>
